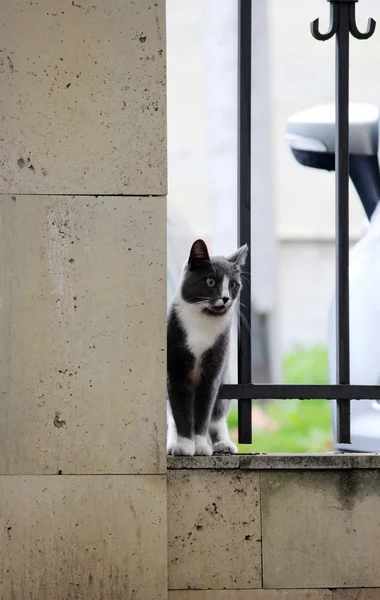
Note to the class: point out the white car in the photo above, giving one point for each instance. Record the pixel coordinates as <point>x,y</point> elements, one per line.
<point>311,138</point>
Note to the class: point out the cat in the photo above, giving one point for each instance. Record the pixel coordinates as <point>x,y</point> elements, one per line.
<point>198,332</point>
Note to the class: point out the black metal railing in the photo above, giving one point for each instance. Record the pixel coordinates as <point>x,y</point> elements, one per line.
<point>342,23</point>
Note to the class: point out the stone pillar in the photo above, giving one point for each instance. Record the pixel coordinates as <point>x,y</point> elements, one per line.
<point>82,300</point>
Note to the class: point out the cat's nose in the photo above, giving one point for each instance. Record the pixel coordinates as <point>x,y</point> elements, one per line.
<point>225,299</point>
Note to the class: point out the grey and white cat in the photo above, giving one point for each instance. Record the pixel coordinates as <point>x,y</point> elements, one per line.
<point>199,326</point>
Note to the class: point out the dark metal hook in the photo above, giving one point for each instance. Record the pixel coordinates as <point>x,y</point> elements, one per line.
<point>371,26</point>
<point>333,26</point>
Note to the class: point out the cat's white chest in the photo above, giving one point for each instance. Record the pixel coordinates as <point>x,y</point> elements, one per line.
<point>201,330</point>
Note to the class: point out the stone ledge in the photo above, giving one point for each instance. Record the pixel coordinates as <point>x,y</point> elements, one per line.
<point>333,460</point>
<point>258,594</point>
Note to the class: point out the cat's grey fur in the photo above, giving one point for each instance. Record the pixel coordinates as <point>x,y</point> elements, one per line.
<point>199,326</point>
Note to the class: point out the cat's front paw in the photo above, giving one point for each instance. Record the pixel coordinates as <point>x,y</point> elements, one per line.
<point>183,447</point>
<point>225,447</point>
<point>202,446</point>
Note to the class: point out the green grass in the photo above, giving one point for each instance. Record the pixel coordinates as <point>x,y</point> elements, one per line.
<point>303,425</point>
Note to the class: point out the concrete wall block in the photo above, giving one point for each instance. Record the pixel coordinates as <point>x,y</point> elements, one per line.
<point>82,537</point>
<point>250,595</point>
<point>321,529</point>
<point>82,97</point>
<point>358,594</point>
<point>214,529</point>
<point>83,333</point>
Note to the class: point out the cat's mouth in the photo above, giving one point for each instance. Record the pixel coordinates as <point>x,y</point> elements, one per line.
<point>216,310</point>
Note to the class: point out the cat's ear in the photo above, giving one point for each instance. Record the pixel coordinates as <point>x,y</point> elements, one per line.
<point>240,256</point>
<point>198,254</point>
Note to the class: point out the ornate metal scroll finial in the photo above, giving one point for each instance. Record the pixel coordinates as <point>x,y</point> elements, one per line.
<point>371,26</point>
<point>334,23</point>
<point>333,26</point>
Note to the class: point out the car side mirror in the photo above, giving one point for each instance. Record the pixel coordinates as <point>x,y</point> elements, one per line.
<point>311,137</point>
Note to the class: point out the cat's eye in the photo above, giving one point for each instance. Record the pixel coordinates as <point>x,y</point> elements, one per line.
<point>210,282</point>
<point>233,285</point>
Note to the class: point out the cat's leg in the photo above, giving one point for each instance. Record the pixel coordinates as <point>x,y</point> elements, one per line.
<point>171,431</point>
<point>181,403</point>
<point>218,428</point>
<point>180,390</point>
<point>204,399</point>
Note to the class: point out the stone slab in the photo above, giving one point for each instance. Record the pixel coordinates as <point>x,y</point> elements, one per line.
<point>329,460</point>
<point>250,595</point>
<point>321,529</point>
<point>83,537</point>
<point>214,531</point>
<point>358,594</point>
<point>204,462</point>
<point>82,97</point>
<point>83,330</point>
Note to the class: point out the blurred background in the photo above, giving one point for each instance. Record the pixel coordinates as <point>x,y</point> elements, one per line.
<point>293,263</point>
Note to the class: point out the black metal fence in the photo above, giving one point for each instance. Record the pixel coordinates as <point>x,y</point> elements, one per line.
<point>342,24</point>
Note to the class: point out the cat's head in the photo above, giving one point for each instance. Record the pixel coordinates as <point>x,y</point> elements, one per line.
<point>212,283</point>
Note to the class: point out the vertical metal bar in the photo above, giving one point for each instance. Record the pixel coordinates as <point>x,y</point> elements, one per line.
<point>244,211</point>
<point>342,219</point>
<point>342,23</point>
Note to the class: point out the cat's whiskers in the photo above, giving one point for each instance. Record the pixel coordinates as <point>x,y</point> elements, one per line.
<point>243,319</point>
<point>198,307</point>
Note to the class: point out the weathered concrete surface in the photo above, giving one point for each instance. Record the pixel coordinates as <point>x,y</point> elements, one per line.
<point>204,462</point>
<point>251,595</point>
<point>214,530</point>
<point>321,529</point>
<point>277,461</point>
<point>82,97</point>
<point>83,537</point>
<point>83,330</point>
<point>363,594</point>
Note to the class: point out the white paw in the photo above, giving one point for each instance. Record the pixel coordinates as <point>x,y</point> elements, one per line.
<point>202,447</point>
<point>183,447</point>
<point>225,447</point>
